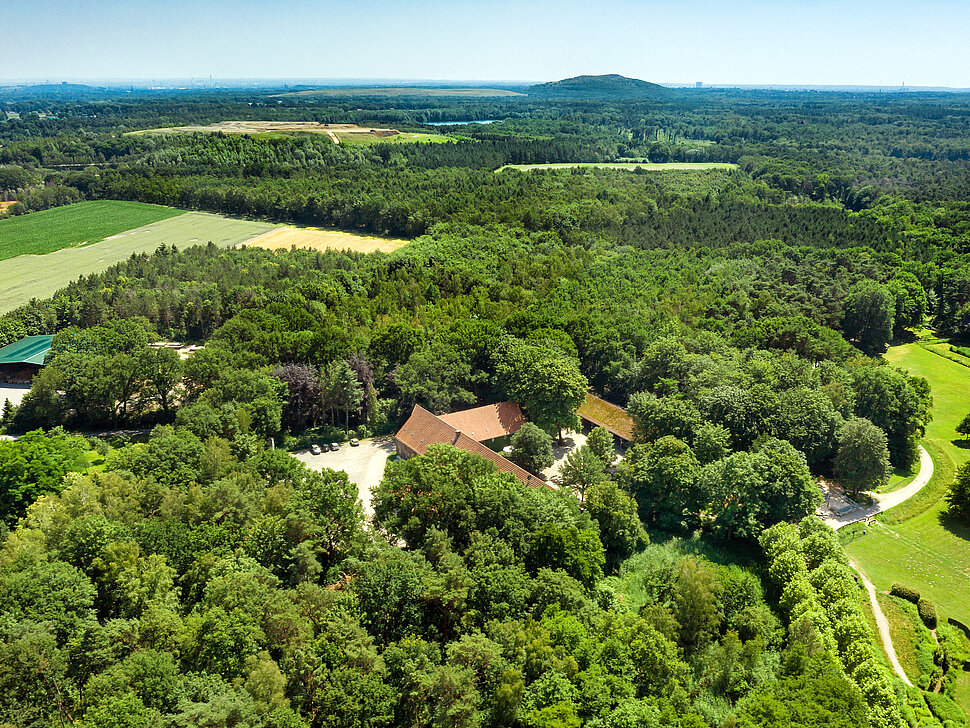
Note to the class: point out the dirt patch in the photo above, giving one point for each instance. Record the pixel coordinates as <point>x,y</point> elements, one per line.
<point>315,239</point>
<point>279,127</point>
<point>404,91</point>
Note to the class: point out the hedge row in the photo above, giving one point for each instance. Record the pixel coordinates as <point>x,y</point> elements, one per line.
<point>820,597</point>
<point>905,592</point>
<point>927,612</point>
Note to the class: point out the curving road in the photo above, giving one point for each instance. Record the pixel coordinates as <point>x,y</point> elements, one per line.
<point>885,501</point>
<point>883,624</point>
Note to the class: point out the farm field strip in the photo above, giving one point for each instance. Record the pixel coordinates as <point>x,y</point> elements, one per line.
<point>337,133</point>
<point>32,276</point>
<point>647,166</point>
<point>39,233</point>
<point>403,91</point>
<point>316,239</point>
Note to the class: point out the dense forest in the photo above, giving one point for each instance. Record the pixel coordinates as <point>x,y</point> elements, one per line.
<point>197,576</point>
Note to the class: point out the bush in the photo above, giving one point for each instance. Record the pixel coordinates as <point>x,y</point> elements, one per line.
<point>944,708</point>
<point>905,592</point>
<point>927,612</point>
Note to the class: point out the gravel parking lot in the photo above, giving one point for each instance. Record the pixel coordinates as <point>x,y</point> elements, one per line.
<point>363,464</point>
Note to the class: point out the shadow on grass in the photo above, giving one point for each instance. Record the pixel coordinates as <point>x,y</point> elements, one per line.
<point>962,444</point>
<point>955,525</point>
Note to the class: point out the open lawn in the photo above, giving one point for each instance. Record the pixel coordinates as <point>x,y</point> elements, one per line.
<point>39,276</point>
<point>630,166</point>
<point>86,222</point>
<point>916,543</point>
<point>337,133</point>
<point>402,91</point>
<point>315,239</point>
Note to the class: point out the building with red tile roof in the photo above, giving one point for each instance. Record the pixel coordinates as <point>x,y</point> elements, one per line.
<point>424,428</point>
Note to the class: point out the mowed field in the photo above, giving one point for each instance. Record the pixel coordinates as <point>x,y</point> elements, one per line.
<point>647,166</point>
<point>72,225</point>
<point>40,276</point>
<point>337,133</point>
<point>316,239</point>
<point>928,551</point>
<point>403,91</point>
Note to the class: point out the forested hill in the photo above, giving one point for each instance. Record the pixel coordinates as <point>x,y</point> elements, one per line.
<point>612,86</point>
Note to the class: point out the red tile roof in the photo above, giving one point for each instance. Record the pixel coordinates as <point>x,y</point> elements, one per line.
<point>488,422</point>
<point>423,429</point>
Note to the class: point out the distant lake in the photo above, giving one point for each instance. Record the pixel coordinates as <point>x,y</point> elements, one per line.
<point>470,121</point>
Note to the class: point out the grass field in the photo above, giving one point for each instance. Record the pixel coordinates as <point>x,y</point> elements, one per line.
<point>72,225</point>
<point>32,276</point>
<point>338,133</point>
<point>648,166</point>
<point>916,543</point>
<point>316,239</point>
<point>404,91</point>
<point>404,137</point>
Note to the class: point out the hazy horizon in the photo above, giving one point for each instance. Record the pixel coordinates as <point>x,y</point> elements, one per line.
<point>744,42</point>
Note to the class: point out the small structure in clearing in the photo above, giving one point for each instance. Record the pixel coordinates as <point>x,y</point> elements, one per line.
<point>600,413</point>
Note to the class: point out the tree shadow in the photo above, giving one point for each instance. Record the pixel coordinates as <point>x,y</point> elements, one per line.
<point>962,444</point>
<point>955,525</point>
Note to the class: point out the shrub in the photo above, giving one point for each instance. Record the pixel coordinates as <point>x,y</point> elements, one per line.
<point>905,592</point>
<point>927,612</point>
<point>944,708</point>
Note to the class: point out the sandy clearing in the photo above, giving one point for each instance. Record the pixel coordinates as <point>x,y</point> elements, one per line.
<point>315,239</point>
<point>266,127</point>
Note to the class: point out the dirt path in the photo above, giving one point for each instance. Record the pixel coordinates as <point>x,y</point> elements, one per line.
<point>885,501</point>
<point>883,624</point>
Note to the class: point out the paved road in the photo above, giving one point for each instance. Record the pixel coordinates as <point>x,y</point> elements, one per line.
<point>14,392</point>
<point>364,465</point>
<point>885,501</point>
<point>883,624</point>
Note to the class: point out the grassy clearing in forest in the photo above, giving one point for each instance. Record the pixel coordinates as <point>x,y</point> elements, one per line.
<point>316,239</point>
<point>40,276</point>
<point>43,232</point>
<point>630,166</point>
<point>350,134</point>
<point>403,91</point>
<point>916,543</point>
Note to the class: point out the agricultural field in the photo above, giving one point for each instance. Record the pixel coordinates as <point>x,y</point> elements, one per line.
<point>402,91</point>
<point>647,166</point>
<point>39,276</point>
<point>916,544</point>
<point>74,225</point>
<point>316,239</point>
<point>338,133</point>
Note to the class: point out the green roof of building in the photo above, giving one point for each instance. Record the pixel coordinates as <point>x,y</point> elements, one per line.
<point>29,350</point>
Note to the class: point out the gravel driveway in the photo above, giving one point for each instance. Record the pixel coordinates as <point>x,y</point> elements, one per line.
<point>363,464</point>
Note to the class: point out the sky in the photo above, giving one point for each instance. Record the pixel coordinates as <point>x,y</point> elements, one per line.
<point>887,43</point>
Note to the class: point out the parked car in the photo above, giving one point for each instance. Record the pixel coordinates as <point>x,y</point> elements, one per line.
<point>315,449</point>
<point>354,442</point>
<point>335,446</point>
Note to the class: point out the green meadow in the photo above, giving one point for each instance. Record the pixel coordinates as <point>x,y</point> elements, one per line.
<point>916,543</point>
<point>40,276</point>
<point>72,225</point>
